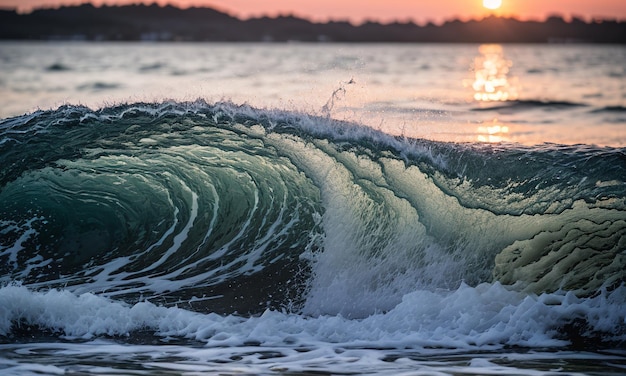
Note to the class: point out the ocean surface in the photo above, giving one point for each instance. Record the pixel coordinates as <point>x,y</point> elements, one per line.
<point>307,209</point>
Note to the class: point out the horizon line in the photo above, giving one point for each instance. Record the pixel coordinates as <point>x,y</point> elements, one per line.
<point>567,18</point>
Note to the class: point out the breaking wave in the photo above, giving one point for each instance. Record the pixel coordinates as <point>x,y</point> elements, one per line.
<point>230,224</point>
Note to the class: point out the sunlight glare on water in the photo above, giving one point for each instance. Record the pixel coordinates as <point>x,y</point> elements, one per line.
<point>492,82</point>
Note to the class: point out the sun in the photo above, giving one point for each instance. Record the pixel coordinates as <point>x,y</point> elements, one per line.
<point>492,4</point>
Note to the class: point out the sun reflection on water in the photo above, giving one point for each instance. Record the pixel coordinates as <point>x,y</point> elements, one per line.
<point>494,132</point>
<point>491,82</point>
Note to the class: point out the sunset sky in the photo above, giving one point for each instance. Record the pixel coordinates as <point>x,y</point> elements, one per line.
<point>379,10</point>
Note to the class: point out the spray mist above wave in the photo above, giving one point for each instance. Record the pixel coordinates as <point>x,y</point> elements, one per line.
<point>227,208</point>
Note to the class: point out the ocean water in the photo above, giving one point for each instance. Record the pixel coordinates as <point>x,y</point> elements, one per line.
<point>295,209</point>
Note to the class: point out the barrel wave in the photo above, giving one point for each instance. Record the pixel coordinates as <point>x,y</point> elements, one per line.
<point>153,201</point>
<point>231,209</point>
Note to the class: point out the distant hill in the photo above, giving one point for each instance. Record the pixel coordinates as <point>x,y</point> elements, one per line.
<point>152,22</point>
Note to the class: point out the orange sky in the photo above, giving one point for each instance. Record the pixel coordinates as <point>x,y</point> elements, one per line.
<point>379,10</point>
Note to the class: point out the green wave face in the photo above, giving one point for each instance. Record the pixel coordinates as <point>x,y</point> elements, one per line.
<point>227,208</point>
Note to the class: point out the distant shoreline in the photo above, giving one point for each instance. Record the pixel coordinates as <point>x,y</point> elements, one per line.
<point>155,23</point>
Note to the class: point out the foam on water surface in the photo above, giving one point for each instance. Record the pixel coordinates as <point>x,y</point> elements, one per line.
<point>447,332</point>
<point>488,315</point>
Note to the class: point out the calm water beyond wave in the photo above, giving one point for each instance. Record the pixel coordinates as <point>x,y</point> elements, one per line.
<point>297,209</point>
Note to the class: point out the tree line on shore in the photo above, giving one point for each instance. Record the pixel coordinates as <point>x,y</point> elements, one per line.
<point>169,23</point>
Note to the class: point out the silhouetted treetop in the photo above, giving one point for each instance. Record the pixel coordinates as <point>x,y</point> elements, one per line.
<point>169,23</point>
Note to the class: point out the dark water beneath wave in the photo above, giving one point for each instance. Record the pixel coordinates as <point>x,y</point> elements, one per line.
<point>150,219</point>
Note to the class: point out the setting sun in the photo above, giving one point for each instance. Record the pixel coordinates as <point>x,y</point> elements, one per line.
<point>492,4</point>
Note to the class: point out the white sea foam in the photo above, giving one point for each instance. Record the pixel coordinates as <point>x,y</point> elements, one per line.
<point>123,359</point>
<point>485,316</point>
<point>466,331</point>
